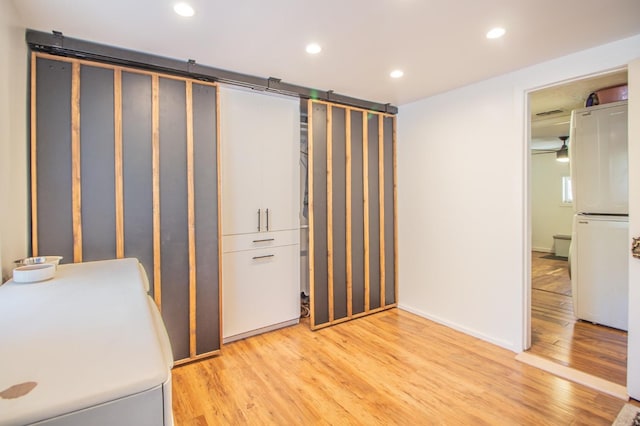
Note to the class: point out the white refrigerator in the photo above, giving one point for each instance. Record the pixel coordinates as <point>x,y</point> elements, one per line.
<point>599,175</point>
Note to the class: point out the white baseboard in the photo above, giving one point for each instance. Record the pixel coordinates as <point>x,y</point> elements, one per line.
<point>542,249</point>
<point>466,330</point>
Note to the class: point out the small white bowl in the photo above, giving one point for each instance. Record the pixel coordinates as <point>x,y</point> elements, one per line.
<point>34,273</point>
<point>38,260</point>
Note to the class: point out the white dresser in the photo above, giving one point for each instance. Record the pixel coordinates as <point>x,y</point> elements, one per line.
<point>260,136</point>
<point>92,342</point>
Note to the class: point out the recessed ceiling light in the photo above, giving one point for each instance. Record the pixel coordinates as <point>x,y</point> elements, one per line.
<point>396,73</point>
<point>313,48</point>
<point>183,9</point>
<point>496,32</point>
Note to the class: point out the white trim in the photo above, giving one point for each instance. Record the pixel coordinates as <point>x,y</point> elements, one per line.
<point>571,374</point>
<point>502,343</point>
<point>526,227</point>
<point>526,285</point>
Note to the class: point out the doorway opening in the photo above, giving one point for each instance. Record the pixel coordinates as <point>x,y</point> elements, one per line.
<point>555,333</point>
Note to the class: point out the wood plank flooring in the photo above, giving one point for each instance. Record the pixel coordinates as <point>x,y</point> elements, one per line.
<point>557,335</point>
<point>390,368</point>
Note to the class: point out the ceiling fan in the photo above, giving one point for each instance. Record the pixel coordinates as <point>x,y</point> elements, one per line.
<point>562,153</point>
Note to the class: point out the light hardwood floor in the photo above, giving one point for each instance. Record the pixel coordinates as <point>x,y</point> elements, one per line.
<point>557,335</point>
<point>389,368</point>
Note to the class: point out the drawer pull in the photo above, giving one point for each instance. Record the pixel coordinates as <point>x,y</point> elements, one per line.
<point>263,257</point>
<point>264,240</point>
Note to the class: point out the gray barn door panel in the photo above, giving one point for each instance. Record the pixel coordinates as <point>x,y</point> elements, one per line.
<point>389,212</point>
<point>53,159</point>
<point>374,213</point>
<point>339,249</point>
<point>97,163</point>
<point>318,162</point>
<point>357,212</point>
<point>174,228</point>
<point>137,172</point>
<point>206,216</point>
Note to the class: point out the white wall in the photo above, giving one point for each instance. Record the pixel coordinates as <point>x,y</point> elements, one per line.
<point>460,214</point>
<point>13,139</point>
<point>548,215</point>
<point>463,166</point>
<point>633,357</point>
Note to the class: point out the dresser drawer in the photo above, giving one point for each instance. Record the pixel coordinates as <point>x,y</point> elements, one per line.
<point>232,243</point>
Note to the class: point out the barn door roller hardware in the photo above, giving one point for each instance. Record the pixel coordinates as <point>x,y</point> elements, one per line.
<point>58,44</point>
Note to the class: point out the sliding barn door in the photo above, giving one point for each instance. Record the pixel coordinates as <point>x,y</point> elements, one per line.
<point>352,220</point>
<point>125,163</point>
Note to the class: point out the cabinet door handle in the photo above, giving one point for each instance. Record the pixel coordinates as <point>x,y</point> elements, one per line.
<point>258,220</point>
<point>267,219</point>
<point>263,257</point>
<point>264,240</point>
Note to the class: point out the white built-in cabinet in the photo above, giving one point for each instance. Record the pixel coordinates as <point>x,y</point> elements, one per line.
<point>260,136</point>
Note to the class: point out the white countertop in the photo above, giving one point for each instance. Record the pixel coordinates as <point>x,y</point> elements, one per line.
<point>85,337</point>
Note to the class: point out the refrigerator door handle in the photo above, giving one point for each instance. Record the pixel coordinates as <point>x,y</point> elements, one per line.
<point>569,258</point>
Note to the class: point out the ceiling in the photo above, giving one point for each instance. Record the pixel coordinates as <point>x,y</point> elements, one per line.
<point>439,44</point>
<point>546,129</point>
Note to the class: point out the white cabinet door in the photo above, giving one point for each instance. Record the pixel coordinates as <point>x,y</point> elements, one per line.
<point>261,289</point>
<point>241,162</point>
<point>281,167</point>
<point>260,137</point>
